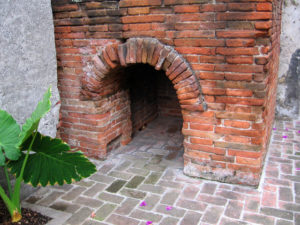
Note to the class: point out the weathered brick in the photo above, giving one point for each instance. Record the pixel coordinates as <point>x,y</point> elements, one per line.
<point>212,215</point>
<point>134,3</point>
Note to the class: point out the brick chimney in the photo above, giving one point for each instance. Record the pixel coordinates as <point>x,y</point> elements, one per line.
<point>220,58</point>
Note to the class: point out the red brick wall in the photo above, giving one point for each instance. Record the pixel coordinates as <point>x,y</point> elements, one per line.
<point>232,48</point>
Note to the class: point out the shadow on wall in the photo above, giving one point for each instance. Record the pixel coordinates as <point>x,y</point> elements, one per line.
<point>288,106</point>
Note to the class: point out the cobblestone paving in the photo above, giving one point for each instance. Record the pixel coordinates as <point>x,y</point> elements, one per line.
<point>143,182</point>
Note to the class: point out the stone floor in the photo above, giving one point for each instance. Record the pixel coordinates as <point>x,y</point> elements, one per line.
<point>143,182</point>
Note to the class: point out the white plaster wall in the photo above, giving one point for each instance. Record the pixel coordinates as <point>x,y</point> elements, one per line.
<point>290,42</point>
<point>27,59</point>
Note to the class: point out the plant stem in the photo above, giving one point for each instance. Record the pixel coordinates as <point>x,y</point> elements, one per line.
<point>16,195</point>
<point>8,181</point>
<point>9,204</point>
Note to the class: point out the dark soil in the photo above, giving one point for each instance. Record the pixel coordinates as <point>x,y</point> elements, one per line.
<point>29,217</point>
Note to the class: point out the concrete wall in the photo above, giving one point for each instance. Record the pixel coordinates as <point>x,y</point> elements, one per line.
<point>288,94</point>
<point>27,63</point>
<point>27,59</point>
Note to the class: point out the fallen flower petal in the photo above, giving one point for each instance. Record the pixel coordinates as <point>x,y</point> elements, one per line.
<point>284,136</point>
<point>149,222</point>
<point>93,215</point>
<point>143,203</point>
<point>274,128</point>
<point>297,168</point>
<point>169,208</point>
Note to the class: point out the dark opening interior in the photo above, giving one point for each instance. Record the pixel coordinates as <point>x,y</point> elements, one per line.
<point>151,95</point>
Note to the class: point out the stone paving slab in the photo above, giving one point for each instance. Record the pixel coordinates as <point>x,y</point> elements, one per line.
<point>142,172</point>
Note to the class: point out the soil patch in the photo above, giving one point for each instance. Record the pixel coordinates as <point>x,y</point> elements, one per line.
<point>29,217</point>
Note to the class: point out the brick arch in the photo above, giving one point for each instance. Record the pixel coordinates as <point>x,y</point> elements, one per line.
<point>148,51</point>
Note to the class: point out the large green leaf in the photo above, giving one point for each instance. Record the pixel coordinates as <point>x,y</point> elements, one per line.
<point>33,121</point>
<point>51,162</point>
<point>9,137</point>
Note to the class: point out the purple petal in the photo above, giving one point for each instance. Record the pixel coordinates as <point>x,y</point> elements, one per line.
<point>143,203</point>
<point>297,168</point>
<point>299,131</point>
<point>169,208</point>
<point>286,129</point>
<point>274,128</point>
<point>149,222</point>
<point>284,136</point>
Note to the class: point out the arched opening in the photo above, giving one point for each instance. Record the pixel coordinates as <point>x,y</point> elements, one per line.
<point>136,82</point>
<point>155,110</point>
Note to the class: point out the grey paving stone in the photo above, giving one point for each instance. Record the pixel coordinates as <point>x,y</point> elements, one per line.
<point>143,215</point>
<point>106,168</point>
<point>93,203</point>
<point>297,218</point>
<point>151,201</point>
<point>135,182</point>
<point>192,205</point>
<point>153,178</point>
<point>85,183</point>
<point>212,215</point>
<point>252,205</point>
<point>140,164</point>
<point>191,218</point>
<point>277,213</point>
<point>95,189</point>
<point>176,212</point>
<point>74,193</point>
<point>209,188</point>
<point>127,206</point>
<point>156,159</point>
<point>93,222</point>
<point>116,186</point>
<point>33,199</point>
<point>169,221</point>
<point>234,209</point>
<point>284,222</point>
<point>230,195</point>
<point>121,175</point>
<point>102,178</point>
<point>168,175</point>
<point>291,178</point>
<point>291,207</point>
<point>297,188</point>
<point>152,188</point>
<point>154,167</point>
<point>65,206</point>
<point>285,194</point>
<point>79,216</point>
<point>257,218</point>
<point>50,198</point>
<point>137,171</point>
<point>171,184</point>
<point>170,197</point>
<point>122,220</point>
<point>65,187</point>
<point>123,166</point>
<point>113,198</point>
<point>133,193</point>
<point>212,200</point>
<point>190,192</point>
<point>104,211</point>
<point>228,221</point>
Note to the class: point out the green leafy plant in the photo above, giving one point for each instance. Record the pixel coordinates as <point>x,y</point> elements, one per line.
<point>35,158</point>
